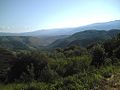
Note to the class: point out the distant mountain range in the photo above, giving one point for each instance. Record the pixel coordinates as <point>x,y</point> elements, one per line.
<point>55,38</point>
<point>101,26</point>
<point>85,38</point>
<point>82,38</point>
<point>68,31</point>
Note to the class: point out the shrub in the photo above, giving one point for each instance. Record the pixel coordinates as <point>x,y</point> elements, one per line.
<point>98,56</point>
<point>27,67</point>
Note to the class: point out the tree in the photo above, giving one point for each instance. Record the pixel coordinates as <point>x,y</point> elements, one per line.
<point>98,56</point>
<point>28,66</point>
<point>29,75</point>
<point>7,57</point>
<point>117,52</point>
<point>47,75</point>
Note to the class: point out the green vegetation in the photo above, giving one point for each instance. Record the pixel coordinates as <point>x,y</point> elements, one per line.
<point>27,42</point>
<point>96,67</point>
<point>85,38</point>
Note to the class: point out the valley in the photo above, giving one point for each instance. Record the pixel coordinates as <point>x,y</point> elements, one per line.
<point>85,60</point>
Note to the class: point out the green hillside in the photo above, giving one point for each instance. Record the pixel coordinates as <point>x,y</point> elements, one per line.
<point>27,42</point>
<point>70,68</point>
<point>19,42</point>
<point>85,38</point>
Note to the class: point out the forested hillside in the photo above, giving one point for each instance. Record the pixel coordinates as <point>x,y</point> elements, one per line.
<point>27,42</point>
<point>19,42</point>
<point>96,67</point>
<point>85,38</point>
<point>82,39</point>
<point>59,44</point>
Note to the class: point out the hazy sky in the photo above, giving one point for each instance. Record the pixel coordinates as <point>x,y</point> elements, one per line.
<point>29,15</point>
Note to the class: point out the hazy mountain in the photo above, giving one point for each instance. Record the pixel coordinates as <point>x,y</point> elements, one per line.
<point>50,32</point>
<point>46,37</point>
<point>81,38</point>
<point>100,26</point>
<point>47,32</point>
<point>68,31</point>
<point>84,38</point>
<point>9,34</point>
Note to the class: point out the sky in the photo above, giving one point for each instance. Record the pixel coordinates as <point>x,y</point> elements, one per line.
<point>29,15</point>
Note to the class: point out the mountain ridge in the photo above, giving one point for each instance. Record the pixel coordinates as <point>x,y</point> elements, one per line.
<point>68,31</point>
<point>85,38</point>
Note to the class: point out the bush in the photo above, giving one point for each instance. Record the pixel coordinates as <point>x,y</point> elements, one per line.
<point>117,52</point>
<point>47,75</point>
<point>27,67</point>
<point>7,58</point>
<point>98,56</point>
<point>30,88</point>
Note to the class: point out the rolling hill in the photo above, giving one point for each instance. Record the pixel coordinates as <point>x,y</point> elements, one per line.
<point>85,38</point>
<point>60,37</point>
<point>27,42</point>
<point>19,42</point>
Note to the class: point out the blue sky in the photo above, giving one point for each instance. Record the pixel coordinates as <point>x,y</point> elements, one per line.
<point>30,15</point>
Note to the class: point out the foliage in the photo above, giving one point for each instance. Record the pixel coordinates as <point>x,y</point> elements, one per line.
<point>70,68</point>
<point>27,67</point>
<point>98,56</point>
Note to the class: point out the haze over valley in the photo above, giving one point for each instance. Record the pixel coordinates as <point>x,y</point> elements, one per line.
<point>59,45</point>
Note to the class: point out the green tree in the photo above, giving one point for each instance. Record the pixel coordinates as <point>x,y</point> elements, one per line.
<point>7,58</point>
<point>28,66</point>
<point>98,56</point>
<point>117,52</point>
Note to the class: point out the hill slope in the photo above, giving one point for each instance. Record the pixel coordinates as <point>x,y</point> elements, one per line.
<point>84,38</point>
<point>27,42</point>
<point>19,42</point>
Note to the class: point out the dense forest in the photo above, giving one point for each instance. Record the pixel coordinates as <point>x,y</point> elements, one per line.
<point>94,67</point>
